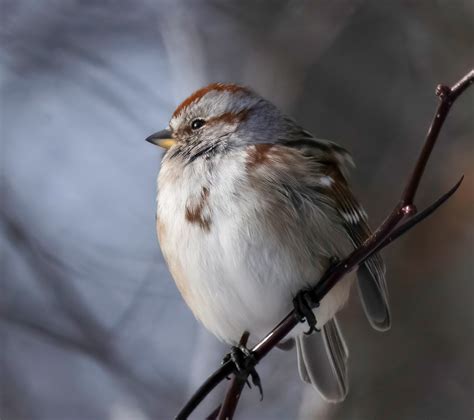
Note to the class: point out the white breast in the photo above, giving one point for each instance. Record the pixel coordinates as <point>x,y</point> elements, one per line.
<point>233,271</point>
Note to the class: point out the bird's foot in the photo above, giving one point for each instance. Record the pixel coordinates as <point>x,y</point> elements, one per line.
<point>304,303</point>
<point>245,362</point>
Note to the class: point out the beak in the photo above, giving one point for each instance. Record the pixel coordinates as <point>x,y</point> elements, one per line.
<point>163,138</point>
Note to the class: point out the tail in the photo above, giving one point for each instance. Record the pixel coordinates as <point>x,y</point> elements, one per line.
<point>373,292</point>
<point>322,361</point>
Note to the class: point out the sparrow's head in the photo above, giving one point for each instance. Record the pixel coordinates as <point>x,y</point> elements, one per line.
<point>217,118</point>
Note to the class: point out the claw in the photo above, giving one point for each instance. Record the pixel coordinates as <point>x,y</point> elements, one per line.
<point>257,382</point>
<point>245,362</point>
<point>304,302</point>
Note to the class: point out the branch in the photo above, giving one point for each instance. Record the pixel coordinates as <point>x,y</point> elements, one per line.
<point>386,233</point>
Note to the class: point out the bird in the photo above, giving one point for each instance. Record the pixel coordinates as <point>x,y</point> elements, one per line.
<point>252,209</point>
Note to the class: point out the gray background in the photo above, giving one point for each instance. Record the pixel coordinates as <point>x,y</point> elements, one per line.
<point>92,326</point>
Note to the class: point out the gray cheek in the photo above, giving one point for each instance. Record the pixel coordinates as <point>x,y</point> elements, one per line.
<point>254,132</point>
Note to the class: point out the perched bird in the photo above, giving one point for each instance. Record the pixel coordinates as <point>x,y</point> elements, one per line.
<point>251,209</point>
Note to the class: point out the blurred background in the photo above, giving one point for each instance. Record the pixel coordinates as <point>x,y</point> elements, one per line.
<point>91,324</point>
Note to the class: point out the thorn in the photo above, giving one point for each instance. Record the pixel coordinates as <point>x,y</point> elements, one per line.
<point>413,221</point>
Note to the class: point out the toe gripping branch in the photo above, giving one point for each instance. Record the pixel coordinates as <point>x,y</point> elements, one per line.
<point>245,362</point>
<point>306,300</point>
<point>304,303</point>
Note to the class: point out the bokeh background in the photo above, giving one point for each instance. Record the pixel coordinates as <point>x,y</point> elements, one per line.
<point>92,326</point>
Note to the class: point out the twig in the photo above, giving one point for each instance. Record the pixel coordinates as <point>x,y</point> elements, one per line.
<point>388,231</point>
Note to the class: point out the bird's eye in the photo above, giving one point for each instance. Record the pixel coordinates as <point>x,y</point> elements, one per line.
<point>197,123</point>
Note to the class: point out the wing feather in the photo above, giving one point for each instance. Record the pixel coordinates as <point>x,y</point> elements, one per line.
<point>334,162</point>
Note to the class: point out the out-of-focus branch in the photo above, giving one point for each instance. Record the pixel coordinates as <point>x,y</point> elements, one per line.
<point>88,336</point>
<point>388,231</point>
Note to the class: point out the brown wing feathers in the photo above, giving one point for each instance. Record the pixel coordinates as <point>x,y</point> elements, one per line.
<point>371,275</point>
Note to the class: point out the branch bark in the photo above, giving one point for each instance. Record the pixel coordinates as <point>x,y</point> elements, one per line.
<point>386,233</point>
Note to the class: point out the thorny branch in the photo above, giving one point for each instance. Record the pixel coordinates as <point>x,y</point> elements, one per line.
<point>386,233</point>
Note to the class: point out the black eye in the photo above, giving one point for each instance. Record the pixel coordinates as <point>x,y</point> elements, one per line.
<point>197,123</point>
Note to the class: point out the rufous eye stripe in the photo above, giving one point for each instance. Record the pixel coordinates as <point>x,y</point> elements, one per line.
<point>227,117</point>
<point>219,87</point>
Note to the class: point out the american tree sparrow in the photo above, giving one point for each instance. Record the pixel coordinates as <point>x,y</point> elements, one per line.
<point>251,209</point>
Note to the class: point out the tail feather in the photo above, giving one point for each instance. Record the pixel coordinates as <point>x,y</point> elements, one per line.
<point>322,361</point>
<point>373,293</point>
